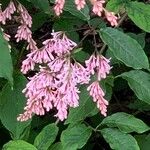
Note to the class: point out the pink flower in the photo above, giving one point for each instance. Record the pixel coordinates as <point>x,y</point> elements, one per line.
<point>41,93</point>
<point>91,64</point>
<point>26,18</point>
<point>81,74</point>
<point>111,18</point>
<point>27,64</point>
<point>23,33</point>
<point>98,7</point>
<point>59,5</point>
<point>57,64</point>
<point>9,10</point>
<point>98,64</point>
<point>32,45</point>
<point>80,4</point>
<point>2,16</point>
<point>98,96</point>
<point>61,43</point>
<point>62,109</point>
<point>103,67</point>
<point>41,56</point>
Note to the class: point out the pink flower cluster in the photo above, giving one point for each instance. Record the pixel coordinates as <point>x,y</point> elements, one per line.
<point>7,13</point>
<point>99,65</point>
<point>56,83</point>
<point>23,32</point>
<point>98,9</point>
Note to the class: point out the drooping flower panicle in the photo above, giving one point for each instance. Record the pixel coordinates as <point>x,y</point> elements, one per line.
<point>98,96</point>
<point>56,85</point>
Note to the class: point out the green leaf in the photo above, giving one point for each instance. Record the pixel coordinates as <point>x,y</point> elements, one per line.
<point>46,137</point>
<point>143,141</point>
<point>140,38</point>
<point>97,23</point>
<point>86,108</point>
<point>56,146</point>
<point>81,56</point>
<point>18,145</point>
<point>75,137</point>
<point>6,68</point>
<point>139,105</point>
<point>38,20</point>
<point>119,140</point>
<point>42,5</point>
<point>11,105</point>
<point>126,123</point>
<point>115,5</point>
<point>139,82</point>
<point>67,25</point>
<point>82,14</point>
<point>139,13</point>
<point>125,48</point>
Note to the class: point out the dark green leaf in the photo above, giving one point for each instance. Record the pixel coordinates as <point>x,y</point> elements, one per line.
<point>139,82</point>
<point>56,146</point>
<point>18,145</point>
<point>82,14</point>
<point>6,68</point>
<point>140,14</point>
<point>75,137</point>
<point>46,137</point>
<point>126,123</point>
<point>42,5</point>
<point>125,48</point>
<point>11,105</point>
<point>115,5</point>
<point>139,105</point>
<point>143,141</point>
<point>140,38</point>
<point>119,140</point>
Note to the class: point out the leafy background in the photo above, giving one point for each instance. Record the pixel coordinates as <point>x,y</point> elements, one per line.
<point>127,87</point>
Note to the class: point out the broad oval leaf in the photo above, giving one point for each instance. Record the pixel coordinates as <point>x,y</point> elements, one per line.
<point>75,137</point>
<point>119,140</point>
<point>139,82</point>
<point>46,137</point>
<point>126,123</point>
<point>11,105</point>
<point>125,48</point>
<point>18,145</point>
<point>6,68</point>
<point>140,14</point>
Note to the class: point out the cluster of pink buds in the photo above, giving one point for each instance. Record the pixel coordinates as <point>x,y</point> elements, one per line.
<point>98,9</point>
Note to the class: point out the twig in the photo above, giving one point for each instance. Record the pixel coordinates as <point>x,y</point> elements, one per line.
<point>57,121</point>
